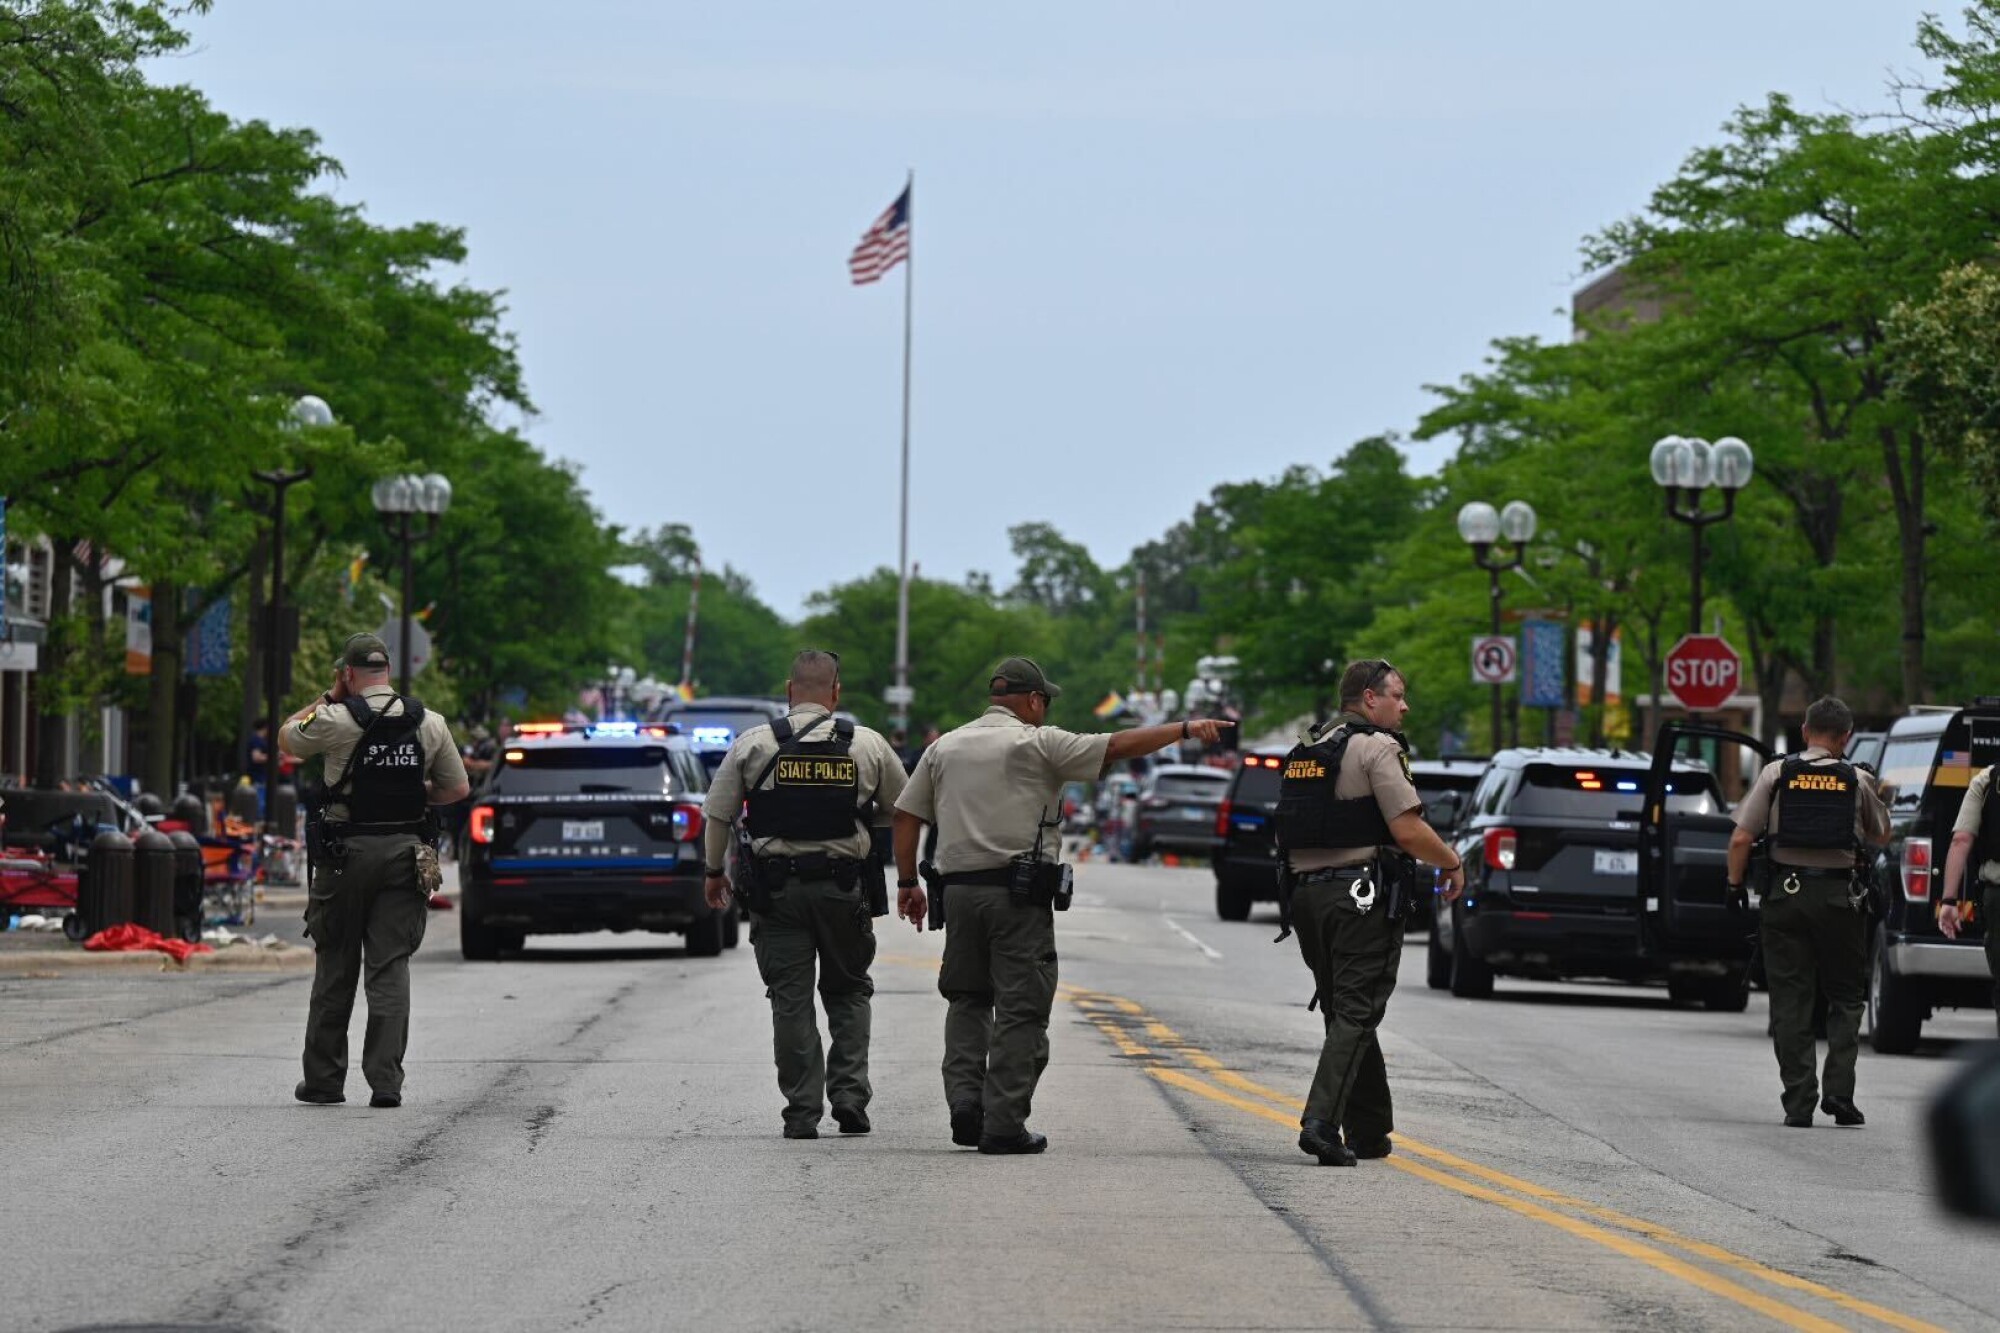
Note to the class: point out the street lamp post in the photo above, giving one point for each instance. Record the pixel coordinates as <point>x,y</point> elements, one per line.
<point>1685,468</point>
<point>399,500</point>
<point>312,412</point>
<point>1482,527</point>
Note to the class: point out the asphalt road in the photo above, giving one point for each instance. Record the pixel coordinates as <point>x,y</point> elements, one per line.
<point>591,1140</point>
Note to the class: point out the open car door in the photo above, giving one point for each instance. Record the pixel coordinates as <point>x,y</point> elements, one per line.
<point>1684,915</point>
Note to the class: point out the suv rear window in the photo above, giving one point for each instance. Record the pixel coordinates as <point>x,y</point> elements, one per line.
<point>1257,782</point>
<point>1560,792</point>
<point>1906,770</point>
<point>715,728</point>
<point>1190,784</point>
<point>559,770</point>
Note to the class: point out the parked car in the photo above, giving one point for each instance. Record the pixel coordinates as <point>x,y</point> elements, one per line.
<point>1928,759</point>
<point>1246,852</point>
<point>585,828</point>
<point>1552,847</point>
<point>712,725</point>
<point>1177,810</point>
<point>1864,750</point>
<point>1445,785</point>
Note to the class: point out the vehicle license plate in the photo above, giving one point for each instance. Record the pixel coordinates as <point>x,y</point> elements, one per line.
<point>591,830</point>
<point>1616,863</point>
<point>1195,812</point>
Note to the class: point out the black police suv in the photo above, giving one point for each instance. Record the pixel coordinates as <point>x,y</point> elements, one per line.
<point>585,828</point>
<point>1928,759</point>
<point>1246,823</point>
<point>1551,840</point>
<point>711,725</point>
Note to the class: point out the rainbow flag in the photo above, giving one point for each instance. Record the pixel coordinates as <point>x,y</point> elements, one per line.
<point>1112,703</point>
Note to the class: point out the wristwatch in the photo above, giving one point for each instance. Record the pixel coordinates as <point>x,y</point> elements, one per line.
<point>906,884</point>
<point>714,873</point>
<point>1184,729</point>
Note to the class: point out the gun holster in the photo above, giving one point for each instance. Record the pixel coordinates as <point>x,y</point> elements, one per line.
<point>1288,883</point>
<point>1396,881</point>
<point>934,891</point>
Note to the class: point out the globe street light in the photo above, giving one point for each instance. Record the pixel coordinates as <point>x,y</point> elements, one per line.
<point>399,500</point>
<point>1482,526</point>
<point>1686,468</point>
<point>280,630</point>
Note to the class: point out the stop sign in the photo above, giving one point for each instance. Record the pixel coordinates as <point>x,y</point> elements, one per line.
<point>1703,671</point>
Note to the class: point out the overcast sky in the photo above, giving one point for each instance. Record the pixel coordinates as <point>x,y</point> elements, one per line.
<point>1159,246</point>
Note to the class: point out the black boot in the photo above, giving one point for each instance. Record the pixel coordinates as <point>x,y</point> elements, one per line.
<point>1321,1140</point>
<point>1843,1110</point>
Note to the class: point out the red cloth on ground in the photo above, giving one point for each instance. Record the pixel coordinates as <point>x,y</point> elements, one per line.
<point>128,938</point>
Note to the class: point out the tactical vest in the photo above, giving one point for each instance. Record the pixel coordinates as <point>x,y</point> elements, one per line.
<point>815,791</point>
<point>1309,815</point>
<point>1816,804</point>
<point>383,787</point>
<point>1986,846</point>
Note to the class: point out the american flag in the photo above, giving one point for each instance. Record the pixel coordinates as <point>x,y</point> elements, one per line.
<point>884,245</point>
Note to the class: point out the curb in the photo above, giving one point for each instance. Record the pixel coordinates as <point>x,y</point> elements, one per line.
<point>290,958</point>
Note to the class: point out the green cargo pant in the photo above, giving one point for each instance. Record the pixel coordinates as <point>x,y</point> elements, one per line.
<point>816,922</point>
<point>368,909</point>
<point>1814,941</point>
<point>999,975</point>
<point>1353,957</point>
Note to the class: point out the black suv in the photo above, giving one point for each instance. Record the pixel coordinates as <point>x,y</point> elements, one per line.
<point>1551,840</point>
<point>1927,761</point>
<point>712,725</point>
<point>584,828</point>
<point>1246,849</point>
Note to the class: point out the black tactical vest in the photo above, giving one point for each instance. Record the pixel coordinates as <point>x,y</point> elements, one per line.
<point>1816,804</point>
<point>815,790</point>
<point>384,781</point>
<point>1986,846</point>
<point>1309,816</point>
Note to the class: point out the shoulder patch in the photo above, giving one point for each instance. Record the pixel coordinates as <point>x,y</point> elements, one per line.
<point>1404,760</point>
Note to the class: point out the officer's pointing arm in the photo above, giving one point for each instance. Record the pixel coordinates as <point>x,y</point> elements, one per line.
<point>1145,740</point>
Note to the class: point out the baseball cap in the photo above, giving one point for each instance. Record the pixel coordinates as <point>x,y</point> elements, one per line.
<point>366,651</point>
<point>1022,675</point>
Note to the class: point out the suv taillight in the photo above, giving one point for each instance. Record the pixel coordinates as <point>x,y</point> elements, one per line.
<point>1500,848</point>
<point>481,824</point>
<point>687,823</point>
<point>1917,869</point>
<point>1222,817</point>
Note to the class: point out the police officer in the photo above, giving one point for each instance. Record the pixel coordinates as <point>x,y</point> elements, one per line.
<point>386,759</point>
<point>1975,838</point>
<point>1819,812</point>
<point>815,788</point>
<point>993,791</point>
<point>1351,827</point>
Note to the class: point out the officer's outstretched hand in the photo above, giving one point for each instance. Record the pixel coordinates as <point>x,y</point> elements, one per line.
<point>910,905</point>
<point>1454,882</point>
<point>1948,921</point>
<point>715,888</point>
<point>1207,730</point>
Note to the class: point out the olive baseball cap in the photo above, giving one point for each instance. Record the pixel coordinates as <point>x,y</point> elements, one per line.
<point>365,651</point>
<point>1022,675</point>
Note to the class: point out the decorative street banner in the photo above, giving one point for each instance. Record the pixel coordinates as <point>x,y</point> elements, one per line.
<point>208,641</point>
<point>139,631</point>
<point>1542,664</point>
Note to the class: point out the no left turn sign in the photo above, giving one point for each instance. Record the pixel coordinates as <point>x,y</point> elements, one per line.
<point>1494,659</point>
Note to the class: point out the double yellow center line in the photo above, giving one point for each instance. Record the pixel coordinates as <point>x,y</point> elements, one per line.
<point>1180,1064</point>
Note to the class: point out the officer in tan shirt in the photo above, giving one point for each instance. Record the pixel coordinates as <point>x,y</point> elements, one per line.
<point>1973,842</point>
<point>811,810</point>
<point>1349,837</point>
<point>1812,928</point>
<point>373,876</point>
<point>992,789</point>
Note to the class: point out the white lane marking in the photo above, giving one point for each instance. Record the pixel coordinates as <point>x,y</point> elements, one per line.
<point>1189,936</point>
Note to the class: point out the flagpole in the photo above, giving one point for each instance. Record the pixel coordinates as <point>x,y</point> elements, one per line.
<point>902,710</point>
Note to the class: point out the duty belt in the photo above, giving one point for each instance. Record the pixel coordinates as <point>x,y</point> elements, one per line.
<point>1002,877</point>
<point>1330,874</point>
<point>811,866</point>
<point>420,828</point>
